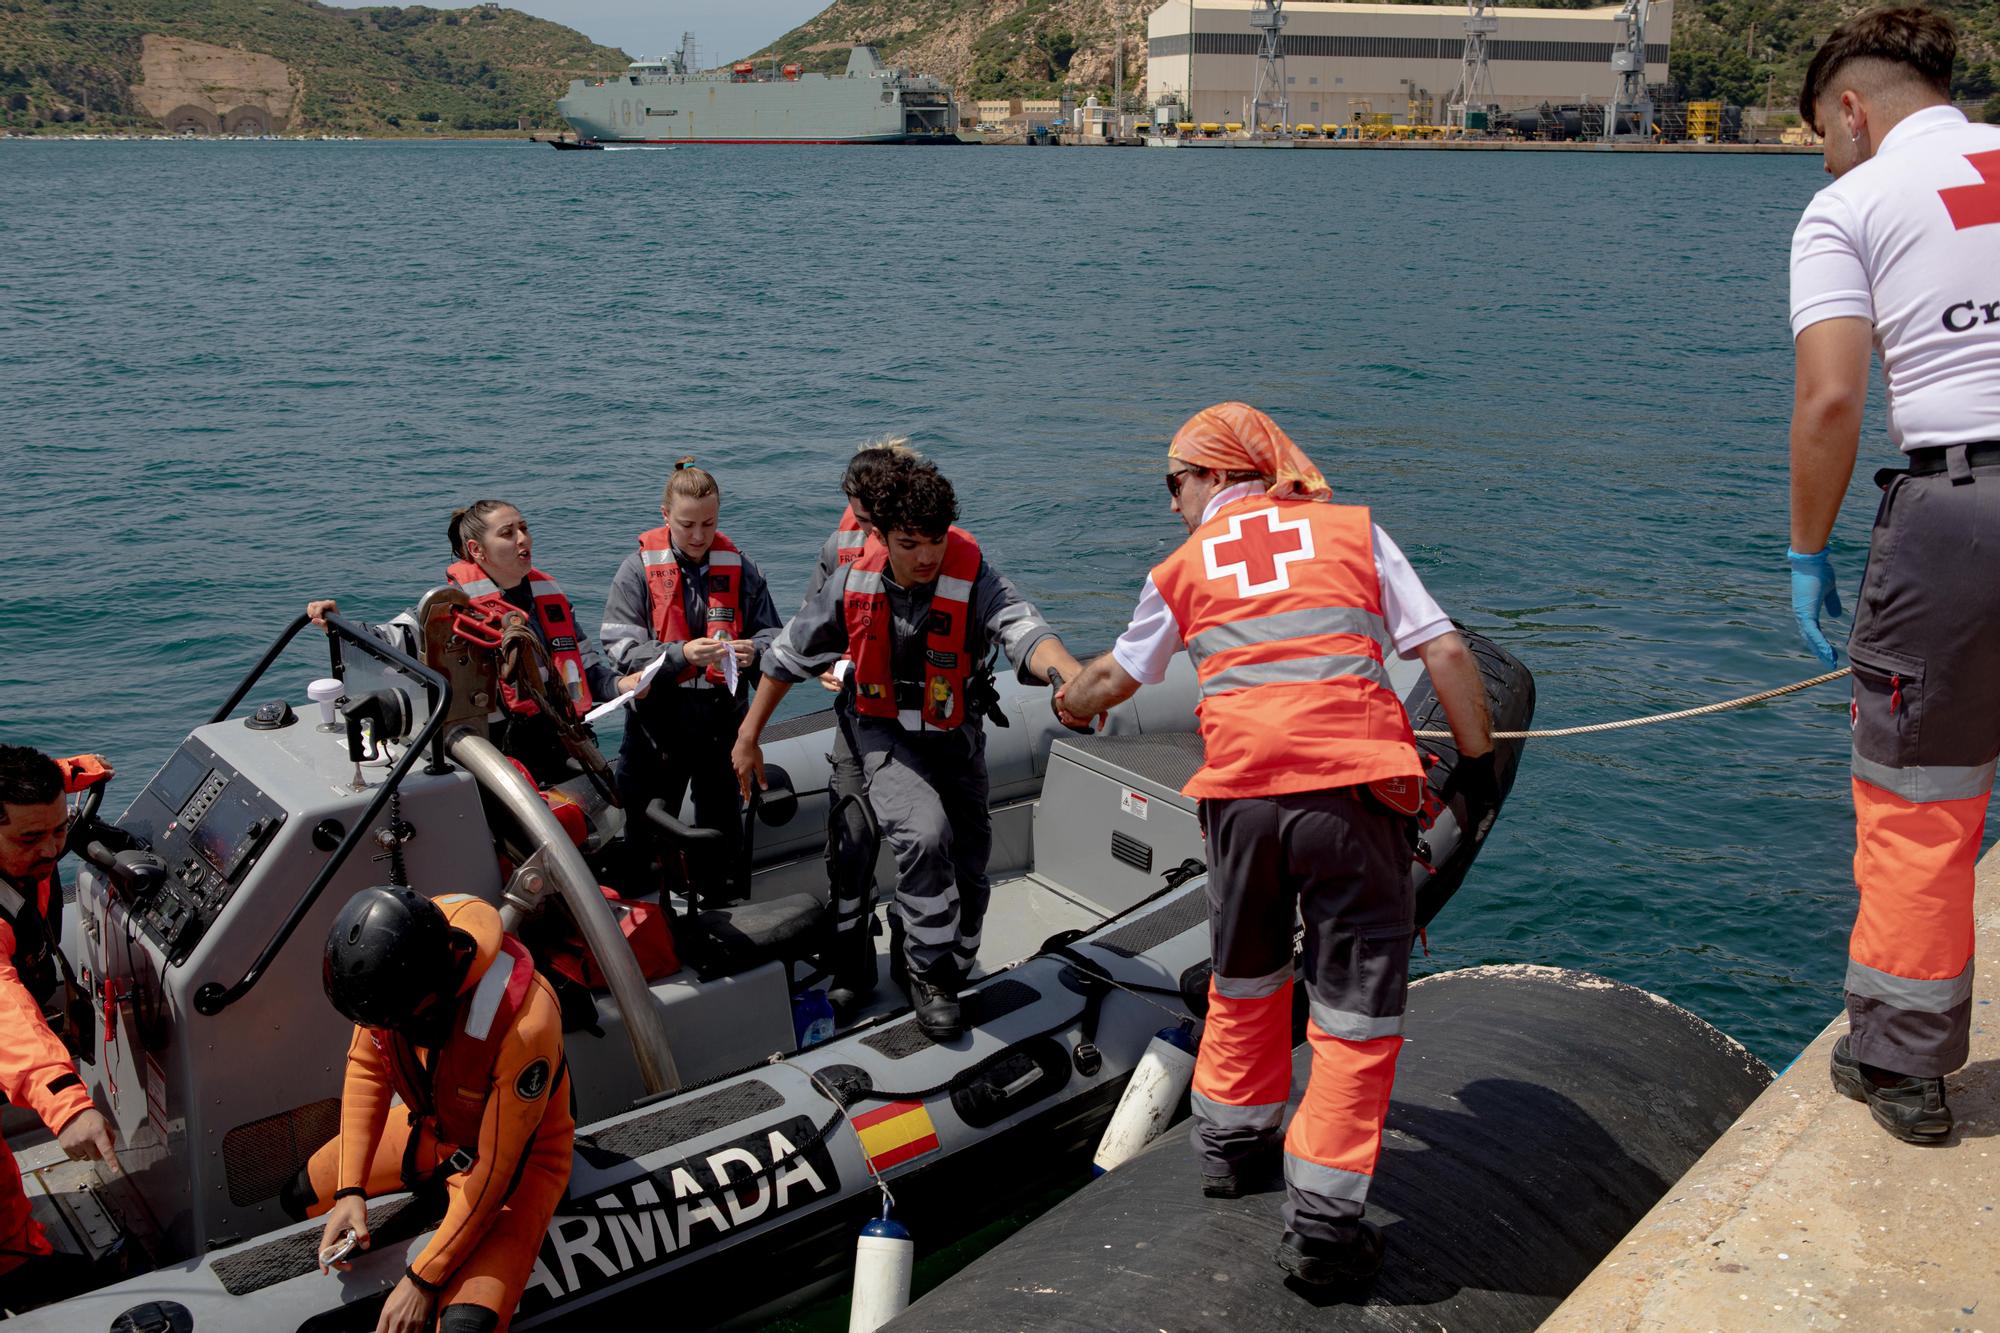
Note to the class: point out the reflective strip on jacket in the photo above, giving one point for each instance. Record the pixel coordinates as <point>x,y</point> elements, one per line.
<point>849,538</point>
<point>870,636</point>
<point>663,594</point>
<point>1280,605</point>
<point>558,626</point>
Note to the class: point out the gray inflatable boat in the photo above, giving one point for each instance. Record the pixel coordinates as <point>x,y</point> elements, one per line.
<point>721,1171</point>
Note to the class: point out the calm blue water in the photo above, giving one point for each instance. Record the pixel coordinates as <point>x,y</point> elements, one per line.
<point>232,375</point>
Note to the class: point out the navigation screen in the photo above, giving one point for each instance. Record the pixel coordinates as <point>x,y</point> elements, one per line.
<point>222,830</point>
<point>177,781</point>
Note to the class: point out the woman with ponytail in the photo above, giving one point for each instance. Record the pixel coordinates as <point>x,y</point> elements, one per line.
<point>493,563</point>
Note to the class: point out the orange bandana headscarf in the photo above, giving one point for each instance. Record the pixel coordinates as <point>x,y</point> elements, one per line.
<point>1236,437</point>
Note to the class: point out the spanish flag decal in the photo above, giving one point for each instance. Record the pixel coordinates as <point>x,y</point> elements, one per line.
<point>893,1134</point>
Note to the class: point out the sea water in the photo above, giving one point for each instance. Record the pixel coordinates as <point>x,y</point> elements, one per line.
<point>237,375</point>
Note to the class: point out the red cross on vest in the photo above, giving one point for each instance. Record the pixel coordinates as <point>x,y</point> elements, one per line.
<point>1257,550</point>
<point>1976,205</point>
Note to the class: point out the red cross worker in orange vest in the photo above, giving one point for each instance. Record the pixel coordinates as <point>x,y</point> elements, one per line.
<point>37,1070</point>
<point>1287,604</point>
<point>1901,255</point>
<point>451,1017</point>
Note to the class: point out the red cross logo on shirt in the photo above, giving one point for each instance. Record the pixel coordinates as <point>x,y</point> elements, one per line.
<point>1976,205</point>
<point>1258,550</point>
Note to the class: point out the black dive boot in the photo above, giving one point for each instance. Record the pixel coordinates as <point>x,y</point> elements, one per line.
<point>1910,1108</point>
<point>1323,1263</point>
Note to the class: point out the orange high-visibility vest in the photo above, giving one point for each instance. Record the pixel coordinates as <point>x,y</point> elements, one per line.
<point>849,538</point>
<point>558,624</point>
<point>452,1091</point>
<point>663,589</point>
<point>869,635</point>
<point>1280,605</point>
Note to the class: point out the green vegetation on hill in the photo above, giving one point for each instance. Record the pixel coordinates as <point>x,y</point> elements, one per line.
<point>1737,50</point>
<point>361,70</point>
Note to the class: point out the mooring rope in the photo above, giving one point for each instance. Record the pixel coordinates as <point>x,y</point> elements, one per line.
<point>1556,733</point>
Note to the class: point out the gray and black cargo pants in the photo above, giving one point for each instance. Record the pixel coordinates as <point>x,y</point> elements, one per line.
<point>1926,656</point>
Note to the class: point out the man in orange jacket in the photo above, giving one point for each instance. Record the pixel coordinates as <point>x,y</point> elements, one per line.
<point>36,1070</point>
<point>451,1016</point>
<point>1288,603</point>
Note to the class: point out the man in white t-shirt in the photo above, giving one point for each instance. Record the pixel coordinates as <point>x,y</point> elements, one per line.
<point>1288,605</point>
<point>1902,253</point>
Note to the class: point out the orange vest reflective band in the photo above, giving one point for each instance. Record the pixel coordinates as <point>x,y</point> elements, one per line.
<point>1280,605</point>
<point>663,590</point>
<point>849,538</point>
<point>558,624</point>
<point>452,1091</point>
<point>869,636</point>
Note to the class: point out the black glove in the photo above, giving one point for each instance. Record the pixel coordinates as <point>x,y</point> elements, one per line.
<point>1479,783</point>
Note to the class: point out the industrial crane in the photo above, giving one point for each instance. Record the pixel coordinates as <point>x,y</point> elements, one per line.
<point>1628,66</point>
<point>1475,79</point>
<point>1268,17</point>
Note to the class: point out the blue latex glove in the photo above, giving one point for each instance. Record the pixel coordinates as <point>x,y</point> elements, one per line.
<point>1813,590</point>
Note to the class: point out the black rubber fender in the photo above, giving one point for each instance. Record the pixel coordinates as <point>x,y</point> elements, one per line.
<point>1510,697</point>
<point>1538,1114</point>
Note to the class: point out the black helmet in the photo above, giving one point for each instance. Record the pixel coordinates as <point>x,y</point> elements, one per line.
<point>389,951</point>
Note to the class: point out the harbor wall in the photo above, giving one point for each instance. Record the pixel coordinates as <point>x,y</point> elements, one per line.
<point>1805,1214</point>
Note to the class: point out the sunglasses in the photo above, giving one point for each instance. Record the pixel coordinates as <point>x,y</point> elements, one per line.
<point>1176,477</point>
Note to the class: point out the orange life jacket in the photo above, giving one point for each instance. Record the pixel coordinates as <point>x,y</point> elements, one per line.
<point>451,1088</point>
<point>663,590</point>
<point>870,636</point>
<point>558,624</point>
<point>849,538</point>
<point>1280,605</point>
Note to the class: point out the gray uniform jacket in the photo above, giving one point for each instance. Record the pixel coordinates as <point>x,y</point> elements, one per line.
<point>628,616</point>
<point>814,639</point>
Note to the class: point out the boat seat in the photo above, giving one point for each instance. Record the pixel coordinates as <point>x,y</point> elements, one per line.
<point>734,939</point>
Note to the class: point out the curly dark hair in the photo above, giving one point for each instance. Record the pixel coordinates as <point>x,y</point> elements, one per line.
<point>27,777</point>
<point>1920,40</point>
<point>913,496</point>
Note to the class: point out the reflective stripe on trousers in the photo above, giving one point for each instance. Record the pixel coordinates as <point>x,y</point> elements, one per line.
<point>1926,712</point>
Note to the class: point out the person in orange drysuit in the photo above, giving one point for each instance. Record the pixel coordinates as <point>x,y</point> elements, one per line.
<point>36,1070</point>
<point>451,1016</point>
<point>1288,605</point>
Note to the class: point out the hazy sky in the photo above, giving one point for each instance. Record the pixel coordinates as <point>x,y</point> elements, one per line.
<point>723,29</point>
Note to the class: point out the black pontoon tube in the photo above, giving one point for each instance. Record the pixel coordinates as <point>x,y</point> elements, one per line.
<point>1537,1115</point>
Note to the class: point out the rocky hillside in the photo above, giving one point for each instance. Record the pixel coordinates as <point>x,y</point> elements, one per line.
<point>129,63</point>
<point>1734,49</point>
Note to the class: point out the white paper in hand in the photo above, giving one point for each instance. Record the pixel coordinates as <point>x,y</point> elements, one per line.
<point>731,673</point>
<point>610,706</point>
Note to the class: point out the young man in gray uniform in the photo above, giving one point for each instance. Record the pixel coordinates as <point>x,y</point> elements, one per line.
<point>917,615</point>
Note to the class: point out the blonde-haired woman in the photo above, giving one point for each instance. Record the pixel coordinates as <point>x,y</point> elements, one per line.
<point>688,595</point>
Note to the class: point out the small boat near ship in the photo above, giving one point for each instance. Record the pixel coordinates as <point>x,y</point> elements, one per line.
<point>668,101</point>
<point>722,1169</point>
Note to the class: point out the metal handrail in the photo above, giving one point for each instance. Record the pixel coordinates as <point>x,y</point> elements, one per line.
<point>213,997</point>
<point>645,1026</point>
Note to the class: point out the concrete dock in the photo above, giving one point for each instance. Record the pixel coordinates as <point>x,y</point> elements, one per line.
<point>1806,1215</point>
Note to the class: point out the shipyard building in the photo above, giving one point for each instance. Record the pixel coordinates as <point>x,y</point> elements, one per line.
<point>1345,62</point>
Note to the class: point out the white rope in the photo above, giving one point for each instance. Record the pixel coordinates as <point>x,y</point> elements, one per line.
<point>1595,727</point>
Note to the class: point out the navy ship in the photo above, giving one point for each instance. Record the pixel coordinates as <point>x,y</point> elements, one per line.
<point>666,101</point>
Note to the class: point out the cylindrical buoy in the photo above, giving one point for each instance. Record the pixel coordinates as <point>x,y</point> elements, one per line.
<point>884,1259</point>
<point>1147,1107</point>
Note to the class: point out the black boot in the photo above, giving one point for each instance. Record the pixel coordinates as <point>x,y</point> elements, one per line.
<point>936,1006</point>
<point>1323,1263</point>
<point>852,963</point>
<point>1256,1170</point>
<point>1910,1108</point>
